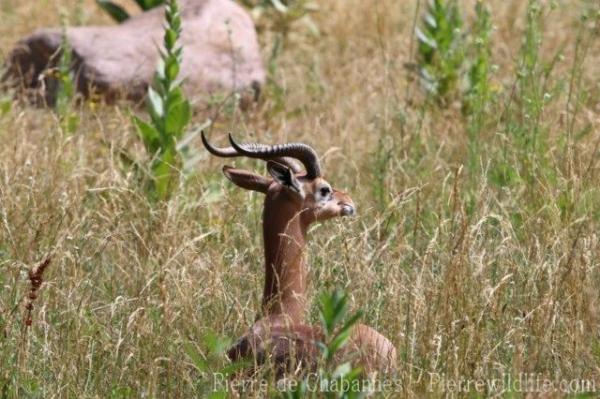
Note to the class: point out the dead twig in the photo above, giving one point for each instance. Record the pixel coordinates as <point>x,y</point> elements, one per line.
<point>36,278</point>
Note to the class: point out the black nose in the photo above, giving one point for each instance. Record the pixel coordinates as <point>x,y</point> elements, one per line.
<point>348,210</point>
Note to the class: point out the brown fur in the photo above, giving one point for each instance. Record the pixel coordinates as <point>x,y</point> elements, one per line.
<point>293,346</point>
<point>281,335</point>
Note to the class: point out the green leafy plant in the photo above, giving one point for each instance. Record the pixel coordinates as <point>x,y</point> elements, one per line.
<point>211,363</point>
<point>530,80</point>
<point>440,52</point>
<point>524,152</point>
<point>119,14</point>
<point>478,90</point>
<point>65,86</point>
<point>169,111</point>
<point>5,105</point>
<point>65,89</point>
<point>336,379</point>
<point>6,92</point>
<point>478,93</point>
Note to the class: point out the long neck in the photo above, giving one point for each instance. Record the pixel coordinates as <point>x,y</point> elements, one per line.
<point>285,275</point>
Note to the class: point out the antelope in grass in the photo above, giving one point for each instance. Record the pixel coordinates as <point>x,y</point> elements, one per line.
<point>293,201</point>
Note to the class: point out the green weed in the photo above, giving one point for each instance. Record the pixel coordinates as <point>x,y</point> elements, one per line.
<point>335,378</point>
<point>441,49</point>
<point>169,110</point>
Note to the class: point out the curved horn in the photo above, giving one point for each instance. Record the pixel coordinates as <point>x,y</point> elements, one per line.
<point>231,152</point>
<point>299,151</point>
<point>220,152</point>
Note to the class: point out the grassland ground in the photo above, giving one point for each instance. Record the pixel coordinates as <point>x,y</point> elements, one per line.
<point>475,249</point>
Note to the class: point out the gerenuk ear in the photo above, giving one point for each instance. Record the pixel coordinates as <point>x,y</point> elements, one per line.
<point>283,175</point>
<point>247,180</point>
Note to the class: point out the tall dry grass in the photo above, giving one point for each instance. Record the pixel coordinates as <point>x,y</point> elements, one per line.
<point>473,270</point>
